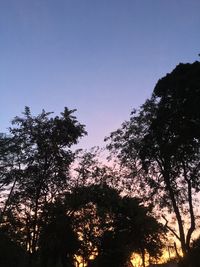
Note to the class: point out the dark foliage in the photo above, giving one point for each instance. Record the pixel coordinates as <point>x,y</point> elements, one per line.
<point>49,217</point>
<point>193,257</point>
<point>11,254</point>
<point>58,242</point>
<point>159,146</point>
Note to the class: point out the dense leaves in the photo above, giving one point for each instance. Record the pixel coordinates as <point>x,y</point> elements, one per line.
<point>35,160</point>
<point>12,255</point>
<point>61,206</point>
<point>110,225</point>
<point>159,146</point>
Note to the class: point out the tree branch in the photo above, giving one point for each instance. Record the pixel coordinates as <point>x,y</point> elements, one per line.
<point>170,229</point>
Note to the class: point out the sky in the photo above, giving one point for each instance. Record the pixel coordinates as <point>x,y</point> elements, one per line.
<point>101,57</point>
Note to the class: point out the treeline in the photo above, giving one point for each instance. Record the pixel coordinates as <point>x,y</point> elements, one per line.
<point>59,205</point>
<point>56,214</point>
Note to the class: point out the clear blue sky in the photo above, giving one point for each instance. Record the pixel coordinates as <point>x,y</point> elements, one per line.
<point>102,57</point>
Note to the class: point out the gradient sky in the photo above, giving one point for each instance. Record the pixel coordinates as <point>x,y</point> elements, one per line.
<point>101,57</point>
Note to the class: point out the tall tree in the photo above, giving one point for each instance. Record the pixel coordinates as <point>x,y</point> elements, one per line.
<point>40,165</point>
<point>160,145</point>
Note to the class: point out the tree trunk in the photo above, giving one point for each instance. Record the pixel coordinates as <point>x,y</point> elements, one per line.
<point>143,257</point>
<point>191,210</point>
<point>176,210</point>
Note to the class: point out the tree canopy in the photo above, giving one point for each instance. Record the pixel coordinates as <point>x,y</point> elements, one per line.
<point>53,212</point>
<point>160,146</point>
<point>60,205</point>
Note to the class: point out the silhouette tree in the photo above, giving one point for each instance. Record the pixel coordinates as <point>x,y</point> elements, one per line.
<point>53,213</point>
<point>92,215</point>
<point>114,227</point>
<point>160,145</point>
<point>40,166</point>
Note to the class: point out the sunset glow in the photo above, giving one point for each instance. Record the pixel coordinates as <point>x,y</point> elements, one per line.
<point>99,133</point>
